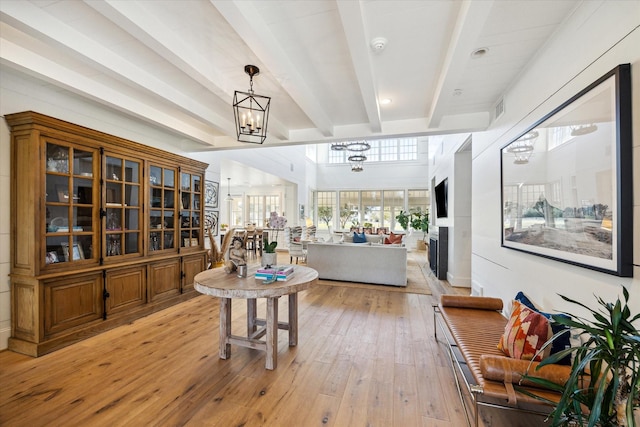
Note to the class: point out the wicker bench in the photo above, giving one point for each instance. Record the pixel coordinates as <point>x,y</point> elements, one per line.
<point>471,328</point>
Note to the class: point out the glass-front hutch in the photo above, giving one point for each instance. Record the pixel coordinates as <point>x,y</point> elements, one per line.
<point>104,230</point>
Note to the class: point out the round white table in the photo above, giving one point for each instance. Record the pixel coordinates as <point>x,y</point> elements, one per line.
<point>217,283</point>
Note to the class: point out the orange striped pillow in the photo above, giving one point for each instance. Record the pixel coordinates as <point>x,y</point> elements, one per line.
<point>525,334</point>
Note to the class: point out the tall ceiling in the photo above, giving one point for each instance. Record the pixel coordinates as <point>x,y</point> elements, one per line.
<point>176,64</point>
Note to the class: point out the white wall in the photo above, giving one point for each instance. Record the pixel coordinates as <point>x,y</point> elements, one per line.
<point>459,272</point>
<point>288,163</point>
<point>596,38</point>
<point>448,161</point>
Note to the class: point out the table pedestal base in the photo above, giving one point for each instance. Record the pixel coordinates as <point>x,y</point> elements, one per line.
<point>268,327</point>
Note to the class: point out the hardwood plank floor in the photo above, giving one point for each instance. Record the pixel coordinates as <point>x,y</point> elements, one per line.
<point>365,357</point>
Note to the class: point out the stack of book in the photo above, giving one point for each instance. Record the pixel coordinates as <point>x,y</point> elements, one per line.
<point>282,273</point>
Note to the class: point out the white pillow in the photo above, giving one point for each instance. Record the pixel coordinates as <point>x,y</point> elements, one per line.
<point>373,238</point>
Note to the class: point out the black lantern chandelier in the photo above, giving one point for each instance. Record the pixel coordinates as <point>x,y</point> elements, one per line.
<point>251,112</point>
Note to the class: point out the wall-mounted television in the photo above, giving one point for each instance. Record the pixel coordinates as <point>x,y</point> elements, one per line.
<point>441,199</point>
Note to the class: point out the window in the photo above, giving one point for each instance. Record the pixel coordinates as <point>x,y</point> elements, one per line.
<point>524,202</point>
<point>236,218</point>
<point>336,157</point>
<point>408,149</point>
<point>417,200</point>
<point>372,207</point>
<point>393,204</point>
<point>558,136</point>
<point>260,207</point>
<point>388,150</point>
<point>255,214</point>
<point>326,202</point>
<point>349,208</point>
<point>378,207</point>
<point>382,150</point>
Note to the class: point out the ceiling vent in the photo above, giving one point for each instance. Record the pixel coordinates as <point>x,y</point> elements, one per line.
<point>499,110</point>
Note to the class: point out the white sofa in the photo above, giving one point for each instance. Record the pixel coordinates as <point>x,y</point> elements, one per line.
<point>359,262</point>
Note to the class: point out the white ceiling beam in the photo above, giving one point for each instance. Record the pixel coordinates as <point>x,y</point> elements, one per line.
<point>353,24</point>
<point>52,72</point>
<point>469,25</point>
<point>145,27</point>
<point>34,21</point>
<point>248,23</point>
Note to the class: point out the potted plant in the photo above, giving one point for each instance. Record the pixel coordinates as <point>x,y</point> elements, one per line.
<point>403,219</point>
<point>605,372</point>
<point>269,256</point>
<point>420,222</point>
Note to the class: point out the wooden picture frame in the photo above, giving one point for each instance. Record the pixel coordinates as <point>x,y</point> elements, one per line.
<point>76,252</point>
<point>567,181</point>
<point>63,193</point>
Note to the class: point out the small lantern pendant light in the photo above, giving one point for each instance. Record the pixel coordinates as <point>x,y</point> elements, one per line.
<point>251,112</point>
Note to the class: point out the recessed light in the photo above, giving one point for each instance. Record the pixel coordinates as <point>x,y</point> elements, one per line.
<point>385,101</point>
<point>480,52</point>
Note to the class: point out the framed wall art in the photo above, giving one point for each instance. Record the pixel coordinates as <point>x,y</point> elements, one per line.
<point>211,194</point>
<point>211,220</point>
<point>567,180</point>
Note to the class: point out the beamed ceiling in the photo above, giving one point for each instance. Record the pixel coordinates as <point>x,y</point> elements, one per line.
<point>175,64</point>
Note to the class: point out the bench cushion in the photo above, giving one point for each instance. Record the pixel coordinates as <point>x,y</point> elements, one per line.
<point>476,326</point>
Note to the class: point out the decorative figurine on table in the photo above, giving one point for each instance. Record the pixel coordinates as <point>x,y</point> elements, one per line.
<point>237,256</point>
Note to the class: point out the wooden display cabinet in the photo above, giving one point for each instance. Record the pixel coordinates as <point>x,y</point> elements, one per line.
<point>103,231</point>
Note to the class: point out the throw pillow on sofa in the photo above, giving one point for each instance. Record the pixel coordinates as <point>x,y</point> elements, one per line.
<point>347,238</point>
<point>373,238</point>
<point>359,238</point>
<point>525,334</point>
<point>562,341</point>
<point>393,239</point>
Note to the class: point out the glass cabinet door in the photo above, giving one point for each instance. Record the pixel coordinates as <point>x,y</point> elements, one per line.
<point>123,225</point>
<point>70,203</point>
<point>190,209</point>
<point>162,200</point>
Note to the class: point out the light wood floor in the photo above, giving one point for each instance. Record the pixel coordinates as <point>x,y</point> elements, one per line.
<point>366,357</point>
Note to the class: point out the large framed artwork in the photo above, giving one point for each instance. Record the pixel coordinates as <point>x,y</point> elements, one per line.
<point>211,194</point>
<point>211,220</point>
<point>567,181</point>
